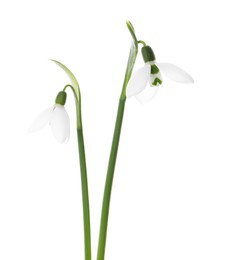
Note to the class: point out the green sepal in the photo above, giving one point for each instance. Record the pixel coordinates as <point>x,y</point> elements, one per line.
<point>61,98</point>
<point>154,69</point>
<point>157,82</point>
<point>148,54</point>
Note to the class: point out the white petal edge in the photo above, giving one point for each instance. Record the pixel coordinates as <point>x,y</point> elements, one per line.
<point>60,124</point>
<point>41,120</point>
<point>175,73</point>
<point>138,81</point>
<point>147,94</point>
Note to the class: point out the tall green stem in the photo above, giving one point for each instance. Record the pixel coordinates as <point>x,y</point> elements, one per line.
<point>82,158</point>
<point>114,147</point>
<point>109,181</point>
<point>85,195</point>
<point>84,180</point>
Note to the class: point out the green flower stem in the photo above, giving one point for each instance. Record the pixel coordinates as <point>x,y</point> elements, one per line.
<point>114,147</point>
<point>109,181</point>
<point>82,158</point>
<point>85,195</point>
<point>142,42</point>
<point>84,181</point>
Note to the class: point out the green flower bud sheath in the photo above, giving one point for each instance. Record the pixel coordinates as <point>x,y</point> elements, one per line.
<point>61,98</point>
<point>114,148</point>
<point>148,54</point>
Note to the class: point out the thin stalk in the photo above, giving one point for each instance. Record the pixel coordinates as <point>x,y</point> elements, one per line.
<point>82,158</point>
<point>84,179</point>
<point>109,180</point>
<point>114,147</point>
<point>85,195</point>
<point>142,42</point>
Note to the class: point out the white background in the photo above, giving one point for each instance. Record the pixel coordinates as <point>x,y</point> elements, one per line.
<point>169,193</point>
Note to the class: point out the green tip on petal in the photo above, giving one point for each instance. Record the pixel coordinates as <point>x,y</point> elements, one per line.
<point>156,82</point>
<point>154,69</point>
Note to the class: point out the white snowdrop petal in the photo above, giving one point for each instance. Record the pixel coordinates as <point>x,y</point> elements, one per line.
<point>41,120</point>
<point>138,81</point>
<point>175,73</point>
<point>147,94</point>
<point>67,124</point>
<point>60,124</point>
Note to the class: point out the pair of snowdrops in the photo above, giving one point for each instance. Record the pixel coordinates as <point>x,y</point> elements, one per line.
<point>143,85</point>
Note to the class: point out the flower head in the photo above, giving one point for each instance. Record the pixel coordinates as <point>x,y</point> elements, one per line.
<point>57,117</point>
<point>145,82</point>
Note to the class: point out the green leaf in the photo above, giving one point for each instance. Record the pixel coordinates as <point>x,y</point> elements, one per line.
<point>74,81</point>
<point>132,58</point>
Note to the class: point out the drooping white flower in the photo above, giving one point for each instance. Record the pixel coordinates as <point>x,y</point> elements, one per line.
<point>58,119</point>
<point>145,82</point>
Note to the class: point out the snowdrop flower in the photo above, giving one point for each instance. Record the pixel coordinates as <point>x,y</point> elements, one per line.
<point>57,117</point>
<point>145,82</point>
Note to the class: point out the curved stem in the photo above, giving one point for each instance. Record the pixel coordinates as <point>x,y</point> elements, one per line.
<point>77,97</point>
<point>75,89</point>
<point>142,42</point>
<point>82,158</point>
<point>84,181</point>
<point>69,86</point>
